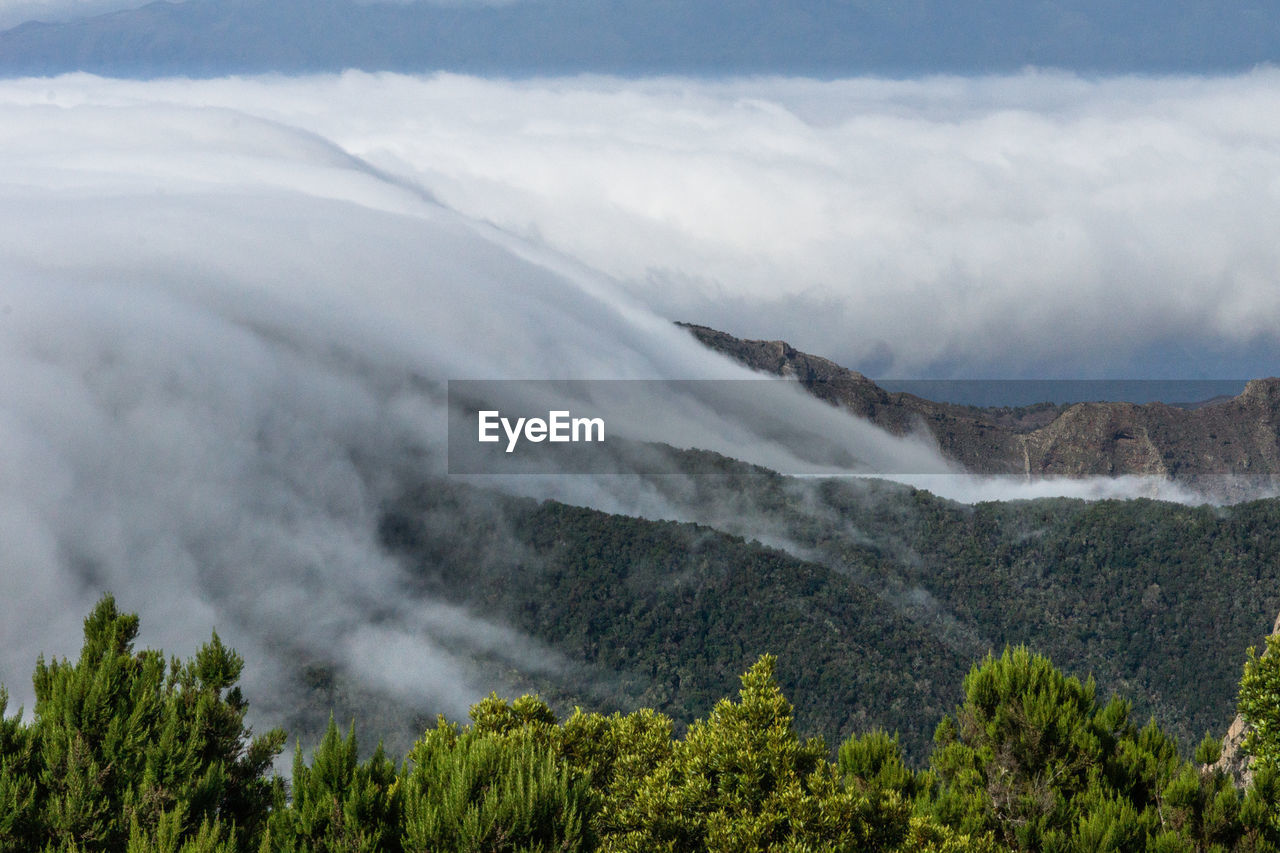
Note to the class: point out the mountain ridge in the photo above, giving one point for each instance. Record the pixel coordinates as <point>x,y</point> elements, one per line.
<point>1228,448</point>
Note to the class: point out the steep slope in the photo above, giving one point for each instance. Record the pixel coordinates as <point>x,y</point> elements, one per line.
<point>882,594</point>
<point>665,615</point>
<point>1230,448</point>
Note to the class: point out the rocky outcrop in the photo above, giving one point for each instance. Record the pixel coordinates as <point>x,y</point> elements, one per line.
<point>1233,760</point>
<point>1228,447</point>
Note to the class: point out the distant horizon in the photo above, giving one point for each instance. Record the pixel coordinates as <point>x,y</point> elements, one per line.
<point>823,39</point>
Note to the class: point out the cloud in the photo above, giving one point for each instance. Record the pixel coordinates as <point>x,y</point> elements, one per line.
<point>225,342</point>
<point>229,307</point>
<point>1036,226</point>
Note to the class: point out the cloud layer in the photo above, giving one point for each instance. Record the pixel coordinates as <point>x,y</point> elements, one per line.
<point>229,307</point>
<point>1034,226</point>
<point>225,341</point>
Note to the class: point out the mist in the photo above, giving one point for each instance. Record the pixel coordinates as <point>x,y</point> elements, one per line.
<point>230,308</point>
<point>1036,226</point>
<point>225,345</point>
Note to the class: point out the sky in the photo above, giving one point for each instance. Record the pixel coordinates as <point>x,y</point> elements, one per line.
<point>14,12</point>
<point>529,38</point>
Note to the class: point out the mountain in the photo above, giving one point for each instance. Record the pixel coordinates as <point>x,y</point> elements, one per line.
<point>530,37</point>
<point>875,596</point>
<point>1227,447</point>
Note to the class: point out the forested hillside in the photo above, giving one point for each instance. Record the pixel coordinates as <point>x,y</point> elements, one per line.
<point>881,598</point>
<point>125,753</point>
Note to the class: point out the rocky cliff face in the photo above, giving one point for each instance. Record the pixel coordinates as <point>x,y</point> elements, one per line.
<point>1233,759</point>
<point>1229,448</point>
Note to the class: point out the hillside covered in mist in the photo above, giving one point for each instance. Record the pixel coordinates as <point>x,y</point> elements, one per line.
<point>875,597</point>
<point>236,313</point>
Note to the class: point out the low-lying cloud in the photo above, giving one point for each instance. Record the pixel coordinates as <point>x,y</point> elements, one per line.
<point>225,343</point>
<point>1037,226</point>
<point>229,308</point>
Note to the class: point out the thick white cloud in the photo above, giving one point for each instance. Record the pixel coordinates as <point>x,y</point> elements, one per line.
<point>224,343</point>
<point>1029,226</point>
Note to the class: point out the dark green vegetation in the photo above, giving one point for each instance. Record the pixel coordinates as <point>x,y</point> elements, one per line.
<point>1260,704</point>
<point>897,593</point>
<point>667,615</point>
<point>124,753</point>
<point>124,743</point>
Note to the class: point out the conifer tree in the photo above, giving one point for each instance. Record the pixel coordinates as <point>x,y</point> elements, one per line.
<point>338,803</point>
<point>17,782</point>
<point>480,790</point>
<point>170,835</point>
<point>122,741</point>
<point>1020,750</point>
<point>744,781</point>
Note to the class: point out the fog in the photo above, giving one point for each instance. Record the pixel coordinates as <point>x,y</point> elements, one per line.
<point>228,309</point>
<point>1036,226</point>
<point>225,346</point>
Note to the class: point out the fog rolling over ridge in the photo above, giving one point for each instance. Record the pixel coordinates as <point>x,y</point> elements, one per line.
<point>225,346</point>
<point>229,309</point>
<point>1036,226</point>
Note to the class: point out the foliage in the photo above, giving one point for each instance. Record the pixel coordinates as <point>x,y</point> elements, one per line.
<point>481,791</point>
<point>674,612</point>
<point>873,762</point>
<point>897,593</point>
<point>338,803</point>
<point>742,781</point>
<point>126,754</point>
<point>1032,758</point>
<point>123,748</point>
<point>1259,704</point>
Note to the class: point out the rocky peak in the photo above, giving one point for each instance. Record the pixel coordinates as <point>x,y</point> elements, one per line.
<point>1229,449</point>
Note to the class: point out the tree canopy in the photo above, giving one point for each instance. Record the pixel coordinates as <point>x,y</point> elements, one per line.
<point>127,752</point>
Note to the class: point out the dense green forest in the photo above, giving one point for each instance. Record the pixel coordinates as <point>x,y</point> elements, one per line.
<point>125,751</point>
<point>898,623</point>
<point>875,597</point>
